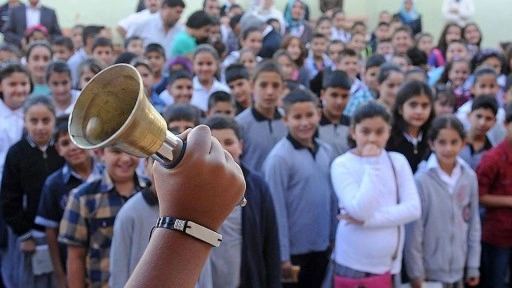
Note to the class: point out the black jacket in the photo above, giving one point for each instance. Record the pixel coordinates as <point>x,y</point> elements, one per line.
<point>261,262</point>
<point>25,171</point>
<point>271,43</point>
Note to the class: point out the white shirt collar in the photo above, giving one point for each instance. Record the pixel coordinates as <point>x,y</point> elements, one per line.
<point>450,180</point>
<point>38,6</point>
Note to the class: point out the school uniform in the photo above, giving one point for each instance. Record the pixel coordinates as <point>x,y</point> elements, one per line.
<point>305,205</point>
<point>201,94</point>
<point>54,197</point>
<point>259,134</point>
<point>26,168</point>
<point>342,35</point>
<point>415,150</point>
<point>11,129</point>
<point>88,222</point>
<point>249,254</point>
<point>359,94</point>
<point>335,134</point>
<point>444,244</point>
<point>473,157</point>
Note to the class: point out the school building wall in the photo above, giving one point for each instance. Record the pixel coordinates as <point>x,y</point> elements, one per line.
<point>491,15</point>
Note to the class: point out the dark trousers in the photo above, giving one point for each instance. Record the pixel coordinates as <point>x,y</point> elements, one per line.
<point>312,269</point>
<point>495,266</point>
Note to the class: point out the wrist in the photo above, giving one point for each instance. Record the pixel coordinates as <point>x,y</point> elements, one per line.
<point>190,228</point>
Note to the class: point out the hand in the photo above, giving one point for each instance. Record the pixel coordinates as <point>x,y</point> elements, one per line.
<point>28,246</point>
<point>370,150</point>
<point>286,270</point>
<point>473,281</point>
<point>205,186</point>
<point>349,219</point>
<point>416,283</point>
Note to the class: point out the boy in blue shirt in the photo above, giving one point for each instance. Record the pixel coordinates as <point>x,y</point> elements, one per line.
<point>334,125</point>
<point>298,173</point>
<point>79,168</point>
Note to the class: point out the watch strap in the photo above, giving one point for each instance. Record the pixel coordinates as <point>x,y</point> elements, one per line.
<point>190,228</point>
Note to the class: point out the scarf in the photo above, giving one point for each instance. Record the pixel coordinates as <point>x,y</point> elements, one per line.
<point>409,16</point>
<point>291,23</point>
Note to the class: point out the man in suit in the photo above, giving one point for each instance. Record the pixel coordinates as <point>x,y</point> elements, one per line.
<point>26,16</point>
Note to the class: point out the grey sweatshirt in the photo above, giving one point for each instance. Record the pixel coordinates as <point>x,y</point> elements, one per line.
<point>446,239</point>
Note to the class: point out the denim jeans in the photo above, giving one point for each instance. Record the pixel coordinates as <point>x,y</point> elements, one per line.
<point>495,266</point>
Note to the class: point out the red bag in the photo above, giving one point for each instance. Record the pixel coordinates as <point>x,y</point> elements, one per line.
<point>379,281</point>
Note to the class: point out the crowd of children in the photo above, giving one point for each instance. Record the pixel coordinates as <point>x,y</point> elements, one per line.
<point>371,157</point>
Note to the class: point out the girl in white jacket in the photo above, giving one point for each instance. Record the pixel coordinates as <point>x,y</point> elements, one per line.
<point>377,196</point>
<point>458,11</point>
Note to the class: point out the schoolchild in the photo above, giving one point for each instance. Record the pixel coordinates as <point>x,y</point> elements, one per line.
<point>27,165</point>
<point>262,125</point>
<point>444,244</point>
<point>238,80</point>
<point>334,125</point>
<point>39,54</point>
<point>297,172</point>
<point>413,112</point>
<point>58,78</point>
<point>376,198</point>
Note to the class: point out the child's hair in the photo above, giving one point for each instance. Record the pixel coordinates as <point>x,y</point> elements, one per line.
<point>235,72</point>
<point>93,64</point>
<point>246,50</point>
<point>386,70</point>
<point>485,54</point>
<point>91,32</point>
<point>155,47</point>
<point>9,67</point>
<point>219,46</point>
<point>486,102</point>
<point>267,66</point>
<point>414,70</point>
<point>368,110</point>
<point>443,91</point>
<point>221,122</point>
<point>358,23</point>
<point>198,20</point>
<point>235,20</point>
<point>181,112</point>
<point>36,100</point>
<point>248,32</point>
<point>125,57</point>
<point>448,67</point>
<point>419,36</point>
<point>347,53</point>
<point>407,91</point>
<point>102,42</point>
<point>128,40</point>
<point>482,71</point>
<point>303,51</point>
<point>6,47</point>
<point>445,122</point>
<point>442,45</point>
<point>180,74</point>
<point>298,96</point>
<point>40,43</point>
<point>57,67</point>
<point>206,48</point>
<point>417,57</point>
<point>405,29</point>
<point>376,60</point>
<point>63,41</point>
<point>323,19</point>
<point>337,79</point>
<point>220,96</point>
<point>281,52</point>
<point>141,61</point>
<point>61,127</point>
<point>318,36</point>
